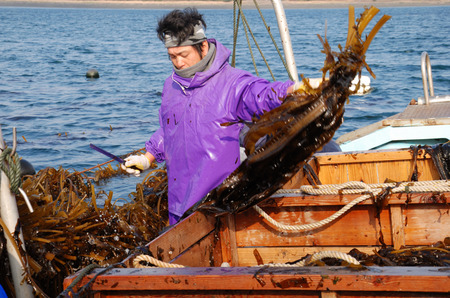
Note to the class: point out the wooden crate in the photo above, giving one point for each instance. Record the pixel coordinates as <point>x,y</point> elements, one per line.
<point>243,240</point>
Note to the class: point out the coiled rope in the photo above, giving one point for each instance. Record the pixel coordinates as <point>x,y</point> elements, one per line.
<point>354,187</point>
<point>315,257</point>
<point>11,168</point>
<point>151,260</point>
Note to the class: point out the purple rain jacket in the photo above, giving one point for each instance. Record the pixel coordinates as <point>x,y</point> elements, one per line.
<point>198,151</point>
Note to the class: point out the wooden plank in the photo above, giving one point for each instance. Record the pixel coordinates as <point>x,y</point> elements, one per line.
<point>374,167</point>
<point>333,174</point>
<point>260,293</point>
<point>328,294</point>
<point>377,279</point>
<point>300,178</point>
<point>364,156</point>
<point>371,167</point>
<point>182,236</point>
<point>366,172</point>
<point>426,224</point>
<point>398,231</point>
<point>291,200</point>
<point>201,254</point>
<point>416,122</point>
<point>423,224</point>
<point>228,240</point>
<point>290,254</point>
<point>356,228</point>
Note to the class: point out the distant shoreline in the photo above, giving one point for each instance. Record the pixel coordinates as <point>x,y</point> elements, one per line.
<point>160,4</point>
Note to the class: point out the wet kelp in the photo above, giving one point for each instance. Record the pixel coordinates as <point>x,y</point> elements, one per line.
<point>72,226</point>
<point>304,122</point>
<point>435,255</point>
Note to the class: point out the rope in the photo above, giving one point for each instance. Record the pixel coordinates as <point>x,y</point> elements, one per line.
<point>273,41</point>
<point>153,261</point>
<point>247,27</point>
<point>13,170</point>
<point>83,273</point>
<point>315,257</point>
<point>246,36</point>
<point>235,32</point>
<point>353,187</point>
<point>311,226</point>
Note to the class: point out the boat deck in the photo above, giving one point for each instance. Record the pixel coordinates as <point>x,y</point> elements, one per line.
<point>416,125</point>
<point>433,114</point>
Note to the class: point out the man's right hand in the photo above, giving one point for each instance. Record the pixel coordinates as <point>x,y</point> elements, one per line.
<point>299,86</point>
<point>139,162</point>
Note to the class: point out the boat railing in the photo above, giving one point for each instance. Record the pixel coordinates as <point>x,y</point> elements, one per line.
<point>427,78</point>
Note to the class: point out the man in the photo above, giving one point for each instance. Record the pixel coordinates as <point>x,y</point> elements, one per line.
<point>202,93</point>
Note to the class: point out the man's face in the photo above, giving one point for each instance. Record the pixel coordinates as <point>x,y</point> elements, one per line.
<point>186,56</point>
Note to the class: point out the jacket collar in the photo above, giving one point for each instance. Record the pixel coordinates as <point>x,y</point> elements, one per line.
<point>200,78</point>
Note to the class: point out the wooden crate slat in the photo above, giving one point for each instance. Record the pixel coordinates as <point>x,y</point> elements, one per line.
<point>182,236</point>
<point>357,228</point>
<point>367,156</point>
<point>228,240</point>
<point>291,254</point>
<point>292,200</point>
<point>398,230</point>
<point>201,254</point>
<point>426,224</point>
<point>399,279</point>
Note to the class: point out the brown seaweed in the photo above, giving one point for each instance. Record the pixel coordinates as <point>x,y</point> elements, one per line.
<point>70,229</point>
<point>303,123</point>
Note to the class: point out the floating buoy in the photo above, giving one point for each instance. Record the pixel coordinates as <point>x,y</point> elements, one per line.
<point>26,168</point>
<point>92,74</point>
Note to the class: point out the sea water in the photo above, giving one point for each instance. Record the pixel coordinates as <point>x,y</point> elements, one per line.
<point>46,52</point>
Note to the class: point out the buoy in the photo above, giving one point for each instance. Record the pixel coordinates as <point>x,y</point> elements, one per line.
<point>92,74</point>
<point>26,168</point>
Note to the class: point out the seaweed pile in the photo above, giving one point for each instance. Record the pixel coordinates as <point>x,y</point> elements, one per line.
<point>72,226</point>
<point>435,255</point>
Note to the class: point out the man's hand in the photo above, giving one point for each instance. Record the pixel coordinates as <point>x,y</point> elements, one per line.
<point>300,86</point>
<point>138,162</point>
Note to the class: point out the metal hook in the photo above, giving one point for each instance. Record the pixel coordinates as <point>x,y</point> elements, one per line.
<point>14,142</point>
<point>2,142</point>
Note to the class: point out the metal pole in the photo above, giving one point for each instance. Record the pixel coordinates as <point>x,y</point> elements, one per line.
<point>10,216</point>
<point>285,38</point>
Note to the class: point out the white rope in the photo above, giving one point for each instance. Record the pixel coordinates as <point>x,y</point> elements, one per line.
<point>314,225</point>
<point>315,257</point>
<point>353,187</point>
<point>153,261</point>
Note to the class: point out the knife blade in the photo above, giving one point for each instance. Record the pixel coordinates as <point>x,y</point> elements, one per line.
<point>110,155</point>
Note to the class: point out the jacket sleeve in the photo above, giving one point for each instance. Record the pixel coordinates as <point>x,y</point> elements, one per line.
<point>255,95</point>
<point>156,144</point>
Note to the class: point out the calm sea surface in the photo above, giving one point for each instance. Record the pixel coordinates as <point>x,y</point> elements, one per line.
<point>45,53</point>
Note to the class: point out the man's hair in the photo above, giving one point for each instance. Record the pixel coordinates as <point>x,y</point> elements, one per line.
<point>179,24</point>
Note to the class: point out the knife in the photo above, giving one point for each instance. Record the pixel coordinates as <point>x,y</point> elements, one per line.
<point>110,155</point>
